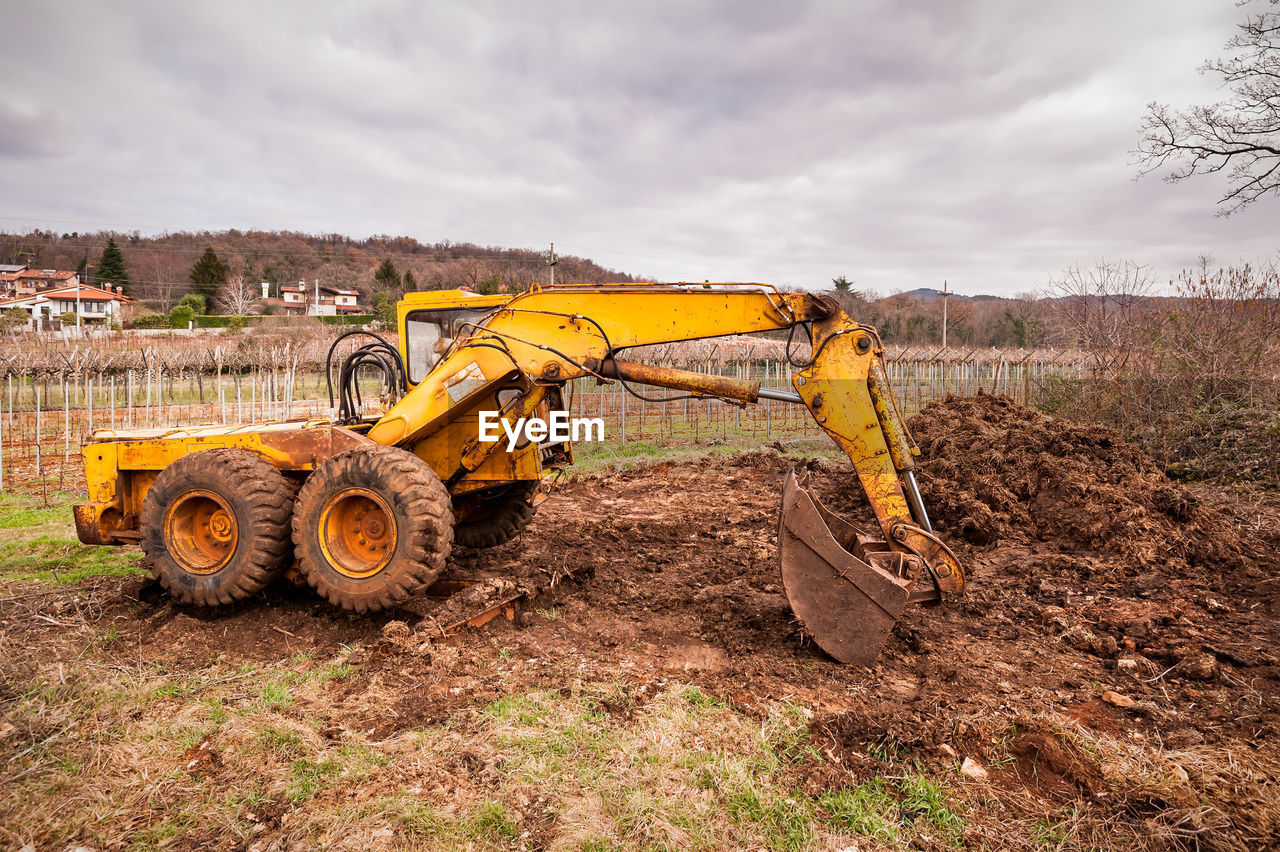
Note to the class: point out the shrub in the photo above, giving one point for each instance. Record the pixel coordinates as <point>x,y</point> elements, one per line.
<point>1192,378</point>
<point>151,321</point>
<point>348,319</point>
<point>13,319</point>
<point>219,321</point>
<point>181,316</point>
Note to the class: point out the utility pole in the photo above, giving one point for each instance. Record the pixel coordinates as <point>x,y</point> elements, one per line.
<point>944,313</point>
<point>551,261</point>
<point>88,267</point>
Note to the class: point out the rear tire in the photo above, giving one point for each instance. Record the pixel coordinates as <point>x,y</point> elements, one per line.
<point>498,518</point>
<point>372,526</point>
<point>215,526</point>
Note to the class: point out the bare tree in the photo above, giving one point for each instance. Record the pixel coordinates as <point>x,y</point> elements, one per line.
<point>167,281</point>
<point>1220,337</point>
<point>1100,309</point>
<point>238,297</point>
<point>1241,135</point>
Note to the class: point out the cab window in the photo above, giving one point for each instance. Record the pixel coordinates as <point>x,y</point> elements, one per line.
<point>425,329</point>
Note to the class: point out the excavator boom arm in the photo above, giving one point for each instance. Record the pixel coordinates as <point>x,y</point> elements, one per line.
<point>550,335</point>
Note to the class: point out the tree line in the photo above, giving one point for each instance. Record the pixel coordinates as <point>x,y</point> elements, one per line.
<point>161,269</point>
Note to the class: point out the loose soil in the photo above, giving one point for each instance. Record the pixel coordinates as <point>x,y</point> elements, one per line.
<point>1114,657</point>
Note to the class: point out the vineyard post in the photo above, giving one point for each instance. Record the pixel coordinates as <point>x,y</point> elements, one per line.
<point>39,457</point>
<point>768,429</point>
<point>66,426</point>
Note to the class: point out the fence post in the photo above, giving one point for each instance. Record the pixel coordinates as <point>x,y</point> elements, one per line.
<point>66,427</point>
<point>44,489</point>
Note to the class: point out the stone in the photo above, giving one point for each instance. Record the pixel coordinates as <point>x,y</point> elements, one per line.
<point>1198,667</point>
<point>970,768</point>
<point>1115,699</point>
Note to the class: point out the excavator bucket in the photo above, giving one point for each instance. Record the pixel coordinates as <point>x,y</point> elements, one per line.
<point>846,588</point>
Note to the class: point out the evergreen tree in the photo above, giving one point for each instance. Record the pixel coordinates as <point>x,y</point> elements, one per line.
<point>387,277</point>
<point>111,271</point>
<point>384,309</point>
<point>208,274</point>
<point>842,283</point>
<point>410,281</point>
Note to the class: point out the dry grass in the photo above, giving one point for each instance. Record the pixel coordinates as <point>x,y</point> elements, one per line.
<point>113,743</point>
<point>103,748</point>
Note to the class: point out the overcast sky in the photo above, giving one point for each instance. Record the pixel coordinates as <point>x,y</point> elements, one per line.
<point>897,143</point>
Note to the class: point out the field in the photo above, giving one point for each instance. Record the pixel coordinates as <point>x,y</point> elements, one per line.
<point>1108,682</point>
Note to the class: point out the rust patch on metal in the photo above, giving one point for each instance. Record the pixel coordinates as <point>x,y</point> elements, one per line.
<point>305,447</point>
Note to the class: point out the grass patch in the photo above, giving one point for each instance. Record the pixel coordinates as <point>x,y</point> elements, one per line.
<point>352,763</point>
<point>39,543</point>
<point>924,799</point>
<point>869,809</point>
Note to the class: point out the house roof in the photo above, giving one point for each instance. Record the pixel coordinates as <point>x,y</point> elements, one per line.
<point>23,301</point>
<point>47,274</point>
<point>85,293</point>
<point>12,267</point>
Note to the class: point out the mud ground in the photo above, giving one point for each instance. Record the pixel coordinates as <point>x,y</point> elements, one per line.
<point>1115,651</point>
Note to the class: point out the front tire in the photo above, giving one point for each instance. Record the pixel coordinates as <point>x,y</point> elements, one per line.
<point>372,526</point>
<point>215,526</point>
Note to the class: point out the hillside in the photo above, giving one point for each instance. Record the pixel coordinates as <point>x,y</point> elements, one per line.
<point>160,266</point>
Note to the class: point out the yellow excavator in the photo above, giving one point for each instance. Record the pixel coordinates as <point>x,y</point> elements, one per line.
<point>368,505</point>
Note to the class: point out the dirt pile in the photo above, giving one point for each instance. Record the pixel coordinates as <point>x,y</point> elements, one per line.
<point>993,472</point>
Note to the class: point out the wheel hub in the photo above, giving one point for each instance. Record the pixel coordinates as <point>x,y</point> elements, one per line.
<point>200,531</point>
<point>357,532</point>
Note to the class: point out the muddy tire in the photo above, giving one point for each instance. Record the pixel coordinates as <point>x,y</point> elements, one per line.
<point>215,526</point>
<point>497,518</point>
<point>371,527</point>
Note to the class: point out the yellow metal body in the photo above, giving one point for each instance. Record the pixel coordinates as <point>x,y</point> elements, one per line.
<point>514,354</point>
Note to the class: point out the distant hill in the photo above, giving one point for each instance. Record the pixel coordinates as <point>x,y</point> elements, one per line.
<point>926,293</point>
<point>159,266</point>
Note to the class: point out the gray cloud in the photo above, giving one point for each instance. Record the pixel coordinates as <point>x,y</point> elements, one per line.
<point>983,142</point>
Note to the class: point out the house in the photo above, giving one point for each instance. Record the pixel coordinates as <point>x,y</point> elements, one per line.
<point>95,306</point>
<point>22,281</point>
<point>313,299</point>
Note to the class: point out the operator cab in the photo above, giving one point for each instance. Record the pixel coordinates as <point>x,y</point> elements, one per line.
<point>429,323</point>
